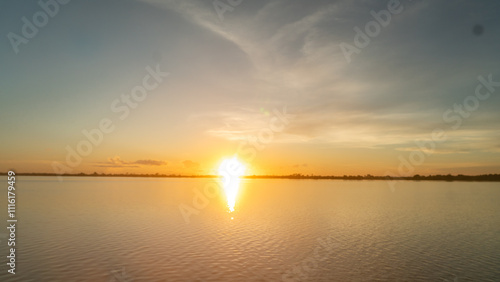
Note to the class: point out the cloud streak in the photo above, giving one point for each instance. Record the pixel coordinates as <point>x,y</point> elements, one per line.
<point>117,162</point>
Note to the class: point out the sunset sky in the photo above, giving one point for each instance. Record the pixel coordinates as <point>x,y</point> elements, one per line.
<point>229,73</point>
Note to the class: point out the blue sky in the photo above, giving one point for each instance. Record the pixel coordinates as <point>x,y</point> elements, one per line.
<point>228,74</point>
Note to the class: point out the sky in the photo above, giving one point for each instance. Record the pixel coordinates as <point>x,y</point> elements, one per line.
<point>311,87</point>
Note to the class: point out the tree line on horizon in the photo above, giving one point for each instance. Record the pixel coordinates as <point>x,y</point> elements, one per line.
<point>447,177</point>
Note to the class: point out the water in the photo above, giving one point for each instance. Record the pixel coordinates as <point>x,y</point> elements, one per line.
<point>131,229</point>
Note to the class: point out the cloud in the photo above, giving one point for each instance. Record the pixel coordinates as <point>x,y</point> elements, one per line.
<point>118,162</point>
<point>294,48</point>
<point>150,162</point>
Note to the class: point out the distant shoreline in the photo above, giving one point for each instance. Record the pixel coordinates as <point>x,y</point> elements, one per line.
<point>449,177</point>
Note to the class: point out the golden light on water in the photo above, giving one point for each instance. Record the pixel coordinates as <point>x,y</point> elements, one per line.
<point>231,170</point>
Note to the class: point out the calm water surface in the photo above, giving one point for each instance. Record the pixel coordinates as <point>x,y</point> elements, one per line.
<point>132,229</point>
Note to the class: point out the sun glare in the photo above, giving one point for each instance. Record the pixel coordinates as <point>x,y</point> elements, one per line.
<point>231,170</point>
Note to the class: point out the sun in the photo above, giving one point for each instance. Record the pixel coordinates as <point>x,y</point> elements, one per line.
<point>231,170</point>
<point>231,167</point>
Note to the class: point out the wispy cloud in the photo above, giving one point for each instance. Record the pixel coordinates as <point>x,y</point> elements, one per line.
<point>117,162</point>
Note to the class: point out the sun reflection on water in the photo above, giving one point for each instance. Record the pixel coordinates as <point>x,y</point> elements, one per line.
<point>231,170</point>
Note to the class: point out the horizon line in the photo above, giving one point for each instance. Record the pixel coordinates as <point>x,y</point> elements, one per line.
<point>441,177</point>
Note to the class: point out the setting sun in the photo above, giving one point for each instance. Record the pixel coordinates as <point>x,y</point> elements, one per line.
<point>231,167</point>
